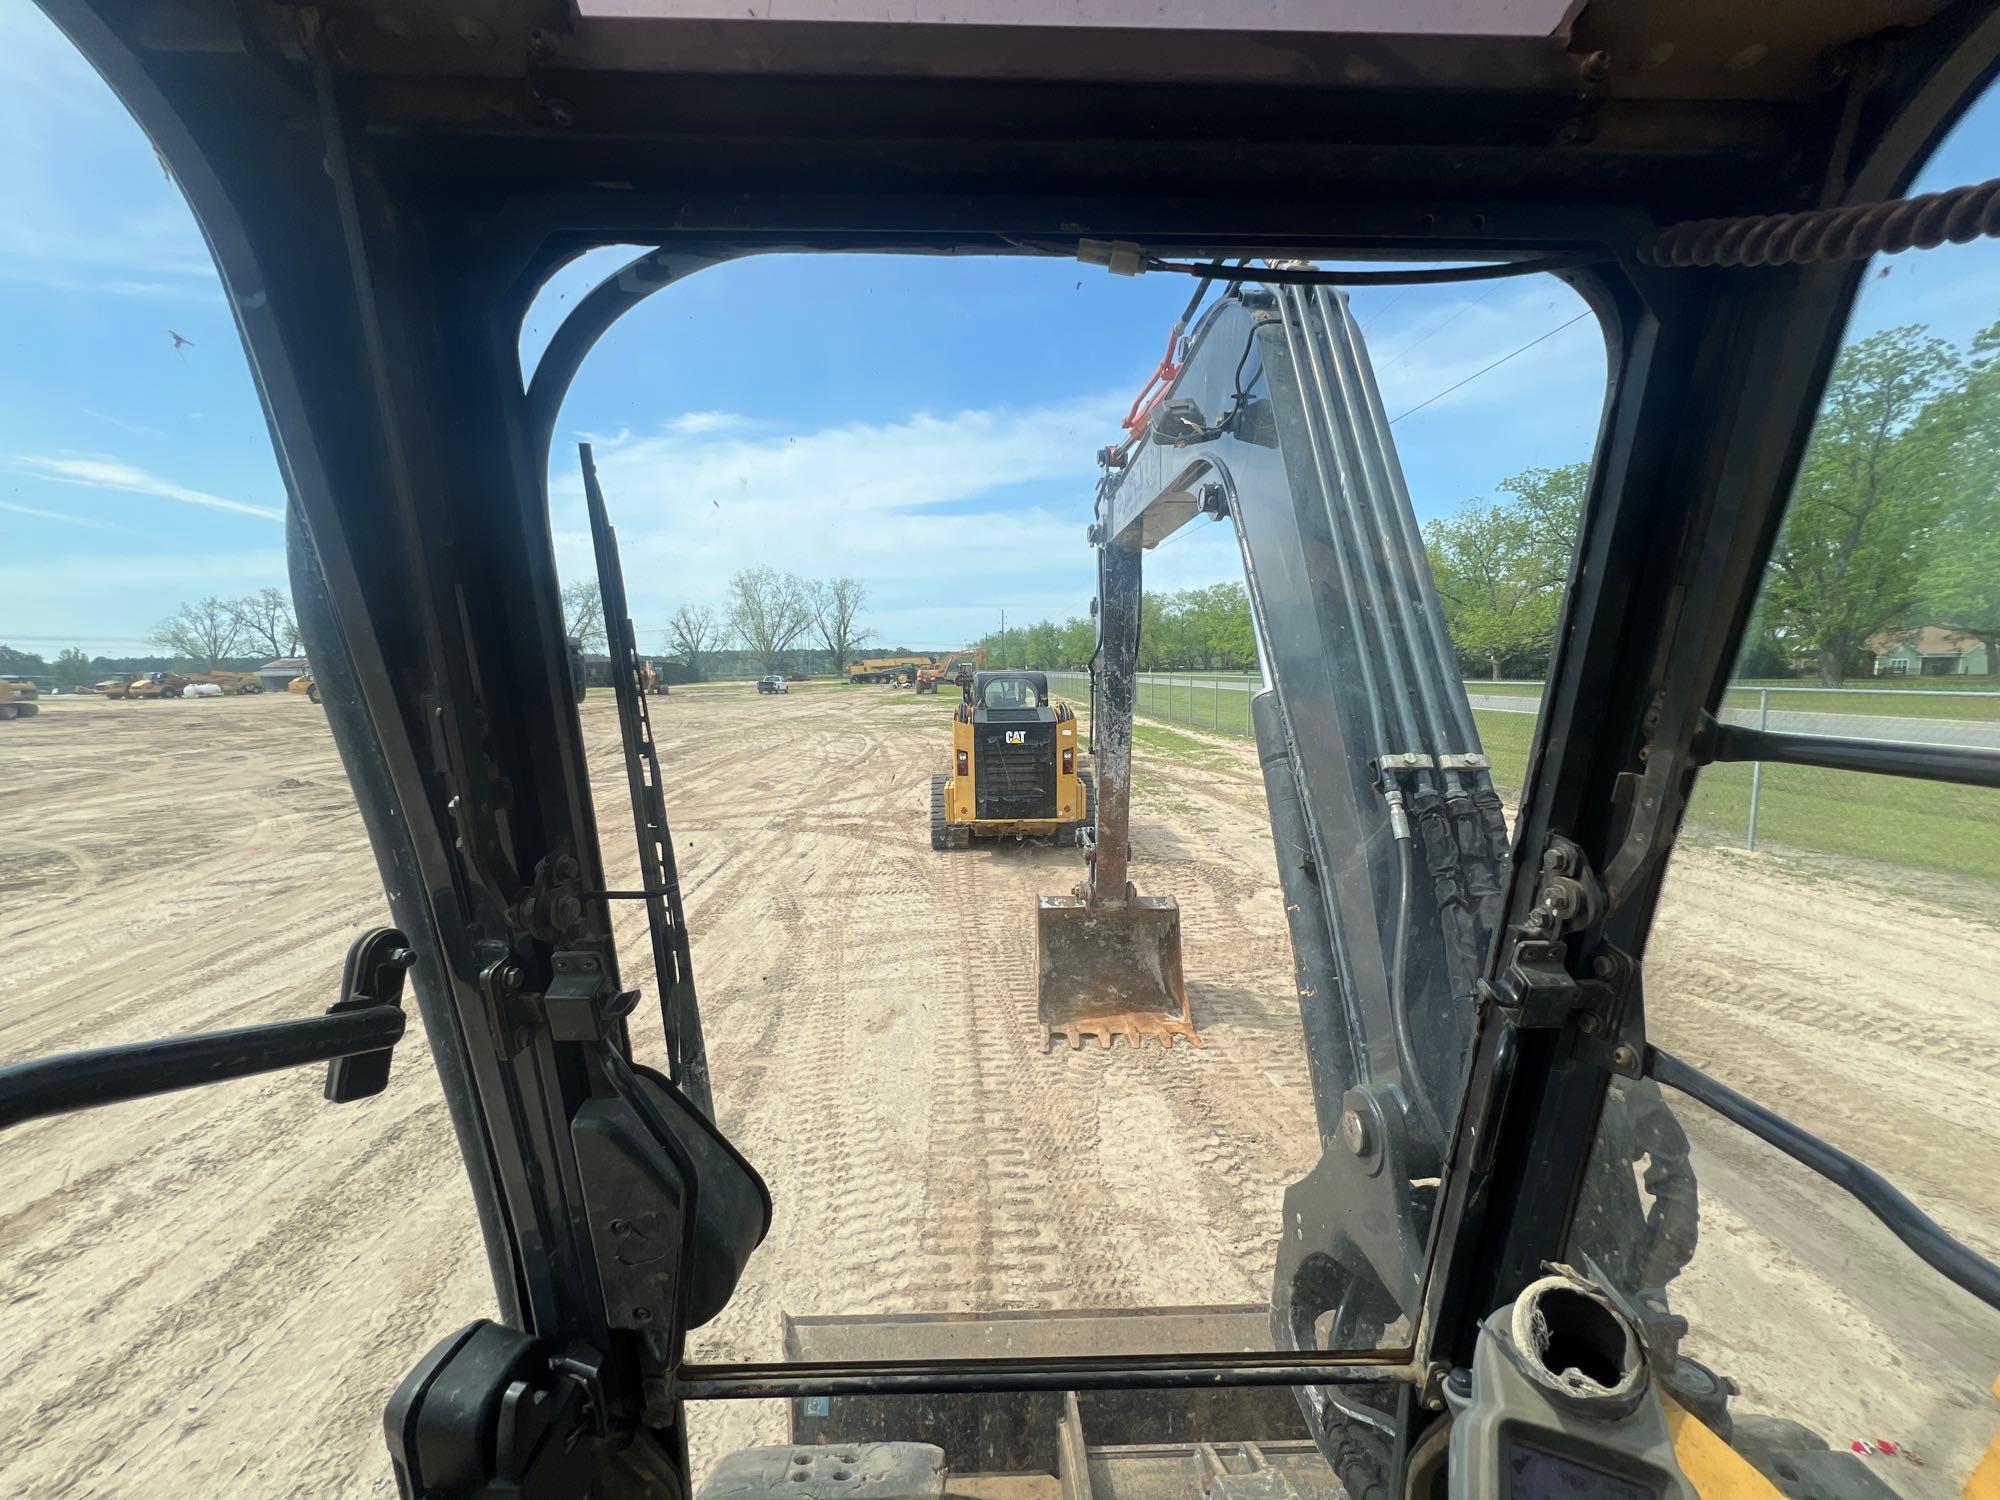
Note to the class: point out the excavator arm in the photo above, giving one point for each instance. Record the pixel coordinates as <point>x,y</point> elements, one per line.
<point>1391,842</point>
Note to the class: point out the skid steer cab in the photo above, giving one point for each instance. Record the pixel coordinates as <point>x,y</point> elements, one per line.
<point>1015,768</point>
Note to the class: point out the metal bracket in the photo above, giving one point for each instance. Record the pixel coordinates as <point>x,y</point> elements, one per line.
<point>1464,763</point>
<point>1404,760</point>
<point>1534,984</point>
<point>579,1004</point>
<point>552,908</point>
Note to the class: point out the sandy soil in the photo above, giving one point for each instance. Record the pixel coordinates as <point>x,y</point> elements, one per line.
<point>214,1293</point>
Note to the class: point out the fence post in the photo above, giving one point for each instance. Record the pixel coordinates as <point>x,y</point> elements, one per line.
<point>1757,766</point>
<point>1218,705</point>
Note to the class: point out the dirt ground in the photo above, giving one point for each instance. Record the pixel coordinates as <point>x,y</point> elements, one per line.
<point>213,1293</point>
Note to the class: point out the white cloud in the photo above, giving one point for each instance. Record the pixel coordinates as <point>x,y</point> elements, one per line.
<point>99,471</point>
<point>946,518</point>
<point>58,515</point>
<point>690,424</point>
<point>922,460</point>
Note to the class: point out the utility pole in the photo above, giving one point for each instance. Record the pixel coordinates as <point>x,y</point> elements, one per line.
<point>1003,637</point>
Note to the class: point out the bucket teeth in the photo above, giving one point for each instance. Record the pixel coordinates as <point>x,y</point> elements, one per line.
<point>1111,971</point>
<point>1134,1028</point>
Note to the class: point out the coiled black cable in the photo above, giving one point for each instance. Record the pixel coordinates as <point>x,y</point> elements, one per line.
<point>1956,216</point>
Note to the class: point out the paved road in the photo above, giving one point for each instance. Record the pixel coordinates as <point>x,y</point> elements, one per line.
<point>1979,734</point>
<point>1964,732</point>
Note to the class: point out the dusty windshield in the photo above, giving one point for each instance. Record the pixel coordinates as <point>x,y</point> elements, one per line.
<point>991,1129</point>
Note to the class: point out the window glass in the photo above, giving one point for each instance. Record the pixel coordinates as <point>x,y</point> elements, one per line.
<point>211,1292</point>
<point>1780,1312</point>
<point>1826,941</point>
<point>870,988</point>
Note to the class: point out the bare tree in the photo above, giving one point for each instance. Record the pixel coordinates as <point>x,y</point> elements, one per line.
<point>694,630</point>
<point>583,614</point>
<point>768,611</point>
<point>836,606</point>
<point>206,633</point>
<point>267,622</point>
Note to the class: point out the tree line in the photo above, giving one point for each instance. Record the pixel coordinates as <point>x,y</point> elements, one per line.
<point>1893,527</point>
<point>774,617</point>
<point>212,634</point>
<point>1196,629</point>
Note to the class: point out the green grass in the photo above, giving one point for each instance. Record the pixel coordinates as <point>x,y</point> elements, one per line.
<point>1180,746</point>
<point>1949,830</point>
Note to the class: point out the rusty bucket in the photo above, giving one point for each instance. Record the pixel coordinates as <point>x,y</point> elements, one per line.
<point>1108,971</point>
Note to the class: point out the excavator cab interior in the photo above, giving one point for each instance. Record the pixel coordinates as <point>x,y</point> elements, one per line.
<point>1474,1288</point>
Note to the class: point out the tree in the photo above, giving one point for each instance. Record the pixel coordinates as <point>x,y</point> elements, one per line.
<point>1959,587</point>
<point>1848,563</point>
<point>21,663</point>
<point>1501,565</point>
<point>583,614</point>
<point>835,605</point>
<point>268,625</point>
<point>72,669</point>
<point>204,633</point>
<point>768,611</point>
<point>694,631</point>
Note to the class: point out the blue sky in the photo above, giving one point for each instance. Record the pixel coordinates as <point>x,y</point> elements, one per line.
<point>926,425</point>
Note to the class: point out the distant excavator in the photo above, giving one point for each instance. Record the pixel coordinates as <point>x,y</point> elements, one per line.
<point>958,669</point>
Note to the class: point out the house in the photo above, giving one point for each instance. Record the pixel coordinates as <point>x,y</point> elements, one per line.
<point>1929,651</point>
<point>276,676</point>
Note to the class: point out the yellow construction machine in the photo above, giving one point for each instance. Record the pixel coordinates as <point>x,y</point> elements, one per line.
<point>235,684</point>
<point>118,685</point>
<point>958,669</point>
<point>17,698</point>
<point>150,685</point>
<point>1106,967</point>
<point>304,683</point>
<point>890,668</point>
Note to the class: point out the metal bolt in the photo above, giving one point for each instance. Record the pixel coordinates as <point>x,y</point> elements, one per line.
<point>642,1315</point>
<point>561,113</point>
<point>510,977</point>
<point>1354,1132</point>
<point>1588,1023</point>
<point>1595,67</point>
<point>621,1226</point>
<point>567,868</point>
<point>1604,966</point>
<point>567,911</point>
<point>1625,1057</point>
<point>541,44</point>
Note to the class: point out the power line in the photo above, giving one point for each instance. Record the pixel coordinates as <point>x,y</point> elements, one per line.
<point>1450,318</point>
<point>1494,366</point>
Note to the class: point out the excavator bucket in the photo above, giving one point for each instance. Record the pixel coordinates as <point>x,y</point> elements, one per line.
<point>1108,971</point>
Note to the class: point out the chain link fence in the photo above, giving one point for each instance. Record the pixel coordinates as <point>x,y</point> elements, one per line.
<point>1951,831</point>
